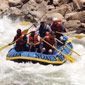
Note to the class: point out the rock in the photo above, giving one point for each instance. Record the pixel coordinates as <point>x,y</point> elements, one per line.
<point>63,10</point>
<point>3,7</point>
<point>13,3</point>
<point>28,7</point>
<point>79,3</point>
<point>83,3</point>
<point>65,1</point>
<point>15,11</point>
<point>49,17</point>
<point>25,1</point>
<point>33,10</point>
<point>50,2</point>
<point>55,2</point>
<point>58,15</point>
<point>38,1</point>
<point>72,24</point>
<point>83,25</point>
<point>36,9</point>
<point>76,16</point>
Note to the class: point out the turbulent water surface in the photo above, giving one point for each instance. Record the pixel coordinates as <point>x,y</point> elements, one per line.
<point>12,73</point>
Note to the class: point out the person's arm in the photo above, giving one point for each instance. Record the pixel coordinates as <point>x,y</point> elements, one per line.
<point>64,29</point>
<point>49,28</point>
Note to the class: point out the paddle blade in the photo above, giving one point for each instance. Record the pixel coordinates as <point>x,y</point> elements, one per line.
<point>24,23</point>
<point>79,36</point>
<point>69,58</point>
<point>70,40</point>
<point>25,31</point>
<point>1,48</point>
<point>72,50</point>
<point>75,52</point>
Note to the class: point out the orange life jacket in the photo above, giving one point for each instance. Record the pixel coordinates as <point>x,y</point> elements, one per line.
<point>33,39</point>
<point>50,40</point>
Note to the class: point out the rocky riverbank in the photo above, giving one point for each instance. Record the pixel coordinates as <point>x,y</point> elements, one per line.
<point>71,12</point>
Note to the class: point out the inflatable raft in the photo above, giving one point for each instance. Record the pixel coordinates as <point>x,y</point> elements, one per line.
<point>55,59</point>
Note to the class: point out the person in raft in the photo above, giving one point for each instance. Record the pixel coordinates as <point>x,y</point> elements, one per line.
<point>34,42</point>
<point>44,27</point>
<point>50,39</point>
<point>21,41</point>
<point>57,29</point>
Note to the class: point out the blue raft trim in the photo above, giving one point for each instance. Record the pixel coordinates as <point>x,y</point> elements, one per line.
<point>34,56</point>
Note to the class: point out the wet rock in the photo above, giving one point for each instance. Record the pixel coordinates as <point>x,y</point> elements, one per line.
<point>18,3</point>
<point>33,10</point>
<point>3,7</point>
<point>63,10</point>
<point>72,24</point>
<point>58,15</point>
<point>13,3</point>
<point>79,3</point>
<point>83,25</point>
<point>55,2</point>
<point>38,1</point>
<point>25,1</point>
<point>49,17</point>
<point>65,1</point>
<point>16,11</point>
<point>76,16</point>
<point>50,2</point>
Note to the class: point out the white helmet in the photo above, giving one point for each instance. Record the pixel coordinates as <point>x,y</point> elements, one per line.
<point>55,18</point>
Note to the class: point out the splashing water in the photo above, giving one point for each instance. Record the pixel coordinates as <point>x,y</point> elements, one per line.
<point>12,73</point>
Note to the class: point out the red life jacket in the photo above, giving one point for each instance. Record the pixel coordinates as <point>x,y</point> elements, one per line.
<point>36,39</point>
<point>50,40</point>
<point>33,39</point>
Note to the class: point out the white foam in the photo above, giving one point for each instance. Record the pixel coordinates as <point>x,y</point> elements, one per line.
<point>35,74</point>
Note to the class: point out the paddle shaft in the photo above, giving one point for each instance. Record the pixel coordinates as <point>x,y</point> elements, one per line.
<point>68,47</point>
<point>23,33</point>
<point>68,57</point>
<point>65,33</point>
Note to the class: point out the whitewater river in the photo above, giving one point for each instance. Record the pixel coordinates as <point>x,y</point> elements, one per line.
<point>12,73</point>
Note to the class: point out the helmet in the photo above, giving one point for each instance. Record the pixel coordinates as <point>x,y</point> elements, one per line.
<point>55,18</point>
<point>19,31</point>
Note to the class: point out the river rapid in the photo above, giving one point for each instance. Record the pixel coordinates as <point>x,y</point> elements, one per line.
<point>12,73</point>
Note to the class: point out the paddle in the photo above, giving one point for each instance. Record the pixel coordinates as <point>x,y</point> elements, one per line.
<point>68,57</point>
<point>67,33</point>
<point>23,33</point>
<point>9,44</point>
<point>68,47</point>
<point>78,36</point>
<point>24,23</point>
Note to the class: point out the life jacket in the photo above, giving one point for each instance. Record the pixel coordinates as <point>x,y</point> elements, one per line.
<point>50,40</point>
<point>17,37</point>
<point>33,39</point>
<point>36,39</point>
<point>20,44</point>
